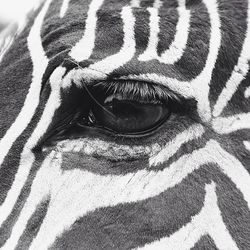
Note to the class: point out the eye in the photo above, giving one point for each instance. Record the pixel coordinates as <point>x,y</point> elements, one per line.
<point>128,116</point>
<point>123,108</point>
<point>128,108</point>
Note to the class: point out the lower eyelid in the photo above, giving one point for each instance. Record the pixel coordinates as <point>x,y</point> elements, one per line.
<point>110,151</point>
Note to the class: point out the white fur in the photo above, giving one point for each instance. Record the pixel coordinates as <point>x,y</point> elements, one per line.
<point>81,76</point>
<point>233,168</point>
<point>70,190</point>
<point>157,4</point>
<point>194,132</point>
<point>64,8</point>
<point>178,46</point>
<point>109,64</point>
<point>135,3</point>
<point>247,92</point>
<point>83,49</point>
<point>226,125</point>
<point>208,222</point>
<point>27,157</point>
<point>184,89</point>
<point>40,63</point>
<point>108,150</point>
<point>247,145</point>
<point>238,75</point>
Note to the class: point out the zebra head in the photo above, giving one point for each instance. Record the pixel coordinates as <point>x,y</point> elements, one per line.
<point>125,124</point>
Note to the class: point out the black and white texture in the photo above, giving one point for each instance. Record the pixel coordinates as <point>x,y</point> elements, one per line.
<point>186,186</point>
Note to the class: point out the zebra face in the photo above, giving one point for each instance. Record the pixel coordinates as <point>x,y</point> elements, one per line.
<point>125,124</point>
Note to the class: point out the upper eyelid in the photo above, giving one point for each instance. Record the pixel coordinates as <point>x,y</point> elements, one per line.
<point>182,89</point>
<point>90,77</point>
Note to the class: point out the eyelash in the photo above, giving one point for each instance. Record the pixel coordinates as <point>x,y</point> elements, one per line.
<point>137,91</point>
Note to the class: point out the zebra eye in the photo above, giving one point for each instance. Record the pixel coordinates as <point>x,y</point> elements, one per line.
<point>126,116</point>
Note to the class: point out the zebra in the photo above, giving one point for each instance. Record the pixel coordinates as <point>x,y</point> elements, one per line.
<point>125,125</point>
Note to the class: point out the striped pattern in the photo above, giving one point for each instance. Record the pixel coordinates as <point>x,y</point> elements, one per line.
<point>186,186</point>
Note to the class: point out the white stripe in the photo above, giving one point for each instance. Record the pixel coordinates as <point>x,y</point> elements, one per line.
<point>70,191</point>
<point>208,222</point>
<point>194,132</point>
<point>127,51</point>
<point>135,3</point>
<point>201,84</point>
<point>83,49</point>
<point>39,192</point>
<point>238,75</point>
<point>178,46</point>
<point>233,168</point>
<point>40,63</point>
<point>80,76</point>
<point>247,92</point>
<point>157,4</point>
<point>64,8</point>
<point>27,156</point>
<point>226,125</point>
<point>247,145</point>
<point>182,88</point>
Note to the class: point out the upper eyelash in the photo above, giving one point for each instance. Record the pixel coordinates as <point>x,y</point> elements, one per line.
<point>138,91</point>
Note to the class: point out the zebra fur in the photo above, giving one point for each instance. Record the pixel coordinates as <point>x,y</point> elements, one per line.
<point>184,187</point>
